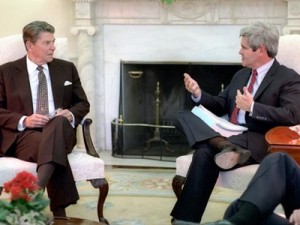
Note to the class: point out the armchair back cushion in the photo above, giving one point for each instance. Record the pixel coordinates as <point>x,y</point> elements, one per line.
<point>12,48</point>
<point>289,51</point>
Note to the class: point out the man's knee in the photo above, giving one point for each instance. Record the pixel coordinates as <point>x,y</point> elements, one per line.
<point>59,120</point>
<point>59,123</point>
<point>204,150</point>
<point>277,156</point>
<point>232,209</point>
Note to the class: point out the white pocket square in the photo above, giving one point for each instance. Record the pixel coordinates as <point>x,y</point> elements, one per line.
<point>67,83</point>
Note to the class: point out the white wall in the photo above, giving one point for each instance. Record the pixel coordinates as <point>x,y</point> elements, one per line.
<point>15,14</point>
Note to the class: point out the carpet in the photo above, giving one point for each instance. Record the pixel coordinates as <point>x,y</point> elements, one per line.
<point>150,182</point>
<point>135,182</point>
<point>139,196</point>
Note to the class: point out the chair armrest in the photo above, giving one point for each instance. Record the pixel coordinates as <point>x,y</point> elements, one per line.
<point>86,123</point>
<point>284,139</point>
<point>282,135</point>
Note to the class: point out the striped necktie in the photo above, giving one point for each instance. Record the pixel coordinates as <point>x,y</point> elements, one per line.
<point>234,115</point>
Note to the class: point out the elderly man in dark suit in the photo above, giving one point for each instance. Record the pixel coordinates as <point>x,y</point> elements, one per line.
<point>262,95</point>
<point>41,104</point>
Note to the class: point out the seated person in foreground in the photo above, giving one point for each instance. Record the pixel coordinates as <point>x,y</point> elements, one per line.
<point>277,181</point>
<point>41,104</point>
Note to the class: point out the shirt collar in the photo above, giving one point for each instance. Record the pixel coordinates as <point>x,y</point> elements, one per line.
<point>31,66</point>
<point>265,68</point>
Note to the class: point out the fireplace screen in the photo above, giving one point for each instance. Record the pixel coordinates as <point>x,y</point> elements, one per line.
<point>150,96</point>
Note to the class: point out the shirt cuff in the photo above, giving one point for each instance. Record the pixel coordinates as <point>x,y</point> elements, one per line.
<point>196,99</point>
<point>73,120</point>
<point>21,126</point>
<point>251,109</point>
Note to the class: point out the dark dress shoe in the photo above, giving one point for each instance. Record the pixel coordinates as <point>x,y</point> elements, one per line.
<point>231,156</point>
<point>219,222</point>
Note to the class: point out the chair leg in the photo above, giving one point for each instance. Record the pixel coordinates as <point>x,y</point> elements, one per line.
<point>177,183</point>
<point>103,186</point>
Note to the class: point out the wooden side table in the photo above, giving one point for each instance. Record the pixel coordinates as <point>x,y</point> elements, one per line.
<point>76,221</point>
<point>283,139</point>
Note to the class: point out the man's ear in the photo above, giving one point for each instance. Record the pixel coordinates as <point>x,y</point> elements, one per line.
<point>28,45</point>
<point>262,50</point>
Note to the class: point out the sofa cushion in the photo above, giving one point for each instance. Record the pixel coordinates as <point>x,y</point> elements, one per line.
<point>84,167</point>
<point>237,179</point>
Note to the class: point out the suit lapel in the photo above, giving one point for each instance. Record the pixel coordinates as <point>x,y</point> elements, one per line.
<point>23,85</point>
<point>267,80</point>
<point>244,80</point>
<point>57,83</point>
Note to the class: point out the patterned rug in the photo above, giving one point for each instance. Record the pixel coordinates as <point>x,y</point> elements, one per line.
<point>139,196</point>
<point>136,197</point>
<point>136,182</point>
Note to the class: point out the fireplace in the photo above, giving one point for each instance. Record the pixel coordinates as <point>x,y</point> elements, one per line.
<point>150,96</point>
<point>108,31</point>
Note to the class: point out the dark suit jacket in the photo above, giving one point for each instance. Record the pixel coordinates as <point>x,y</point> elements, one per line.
<point>276,103</point>
<point>16,99</point>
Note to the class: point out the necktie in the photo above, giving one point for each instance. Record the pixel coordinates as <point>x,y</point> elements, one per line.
<point>234,115</point>
<point>42,93</point>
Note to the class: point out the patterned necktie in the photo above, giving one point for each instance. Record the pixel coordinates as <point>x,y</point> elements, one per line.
<point>234,115</point>
<point>42,93</point>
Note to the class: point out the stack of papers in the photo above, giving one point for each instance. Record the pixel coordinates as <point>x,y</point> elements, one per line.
<point>219,124</point>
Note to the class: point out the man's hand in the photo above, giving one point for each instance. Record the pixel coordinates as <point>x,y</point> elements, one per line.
<point>244,101</point>
<point>295,217</point>
<point>66,113</point>
<point>191,85</point>
<point>35,121</point>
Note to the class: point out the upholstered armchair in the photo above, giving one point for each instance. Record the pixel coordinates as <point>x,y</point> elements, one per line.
<point>238,179</point>
<point>85,164</point>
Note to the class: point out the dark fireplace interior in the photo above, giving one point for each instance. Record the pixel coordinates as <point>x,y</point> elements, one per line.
<point>150,96</point>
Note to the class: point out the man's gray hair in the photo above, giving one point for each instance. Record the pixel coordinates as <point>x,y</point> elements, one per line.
<point>262,34</point>
<point>32,30</point>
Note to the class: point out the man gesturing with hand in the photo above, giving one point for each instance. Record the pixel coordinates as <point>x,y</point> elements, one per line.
<point>262,95</point>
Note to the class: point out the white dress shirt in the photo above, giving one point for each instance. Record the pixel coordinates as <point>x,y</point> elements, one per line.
<point>34,82</point>
<point>261,73</point>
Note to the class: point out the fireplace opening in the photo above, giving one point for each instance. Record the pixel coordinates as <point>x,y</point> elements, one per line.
<point>150,96</point>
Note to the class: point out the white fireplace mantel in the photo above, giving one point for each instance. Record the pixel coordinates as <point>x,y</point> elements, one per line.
<point>189,11</point>
<point>148,30</point>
